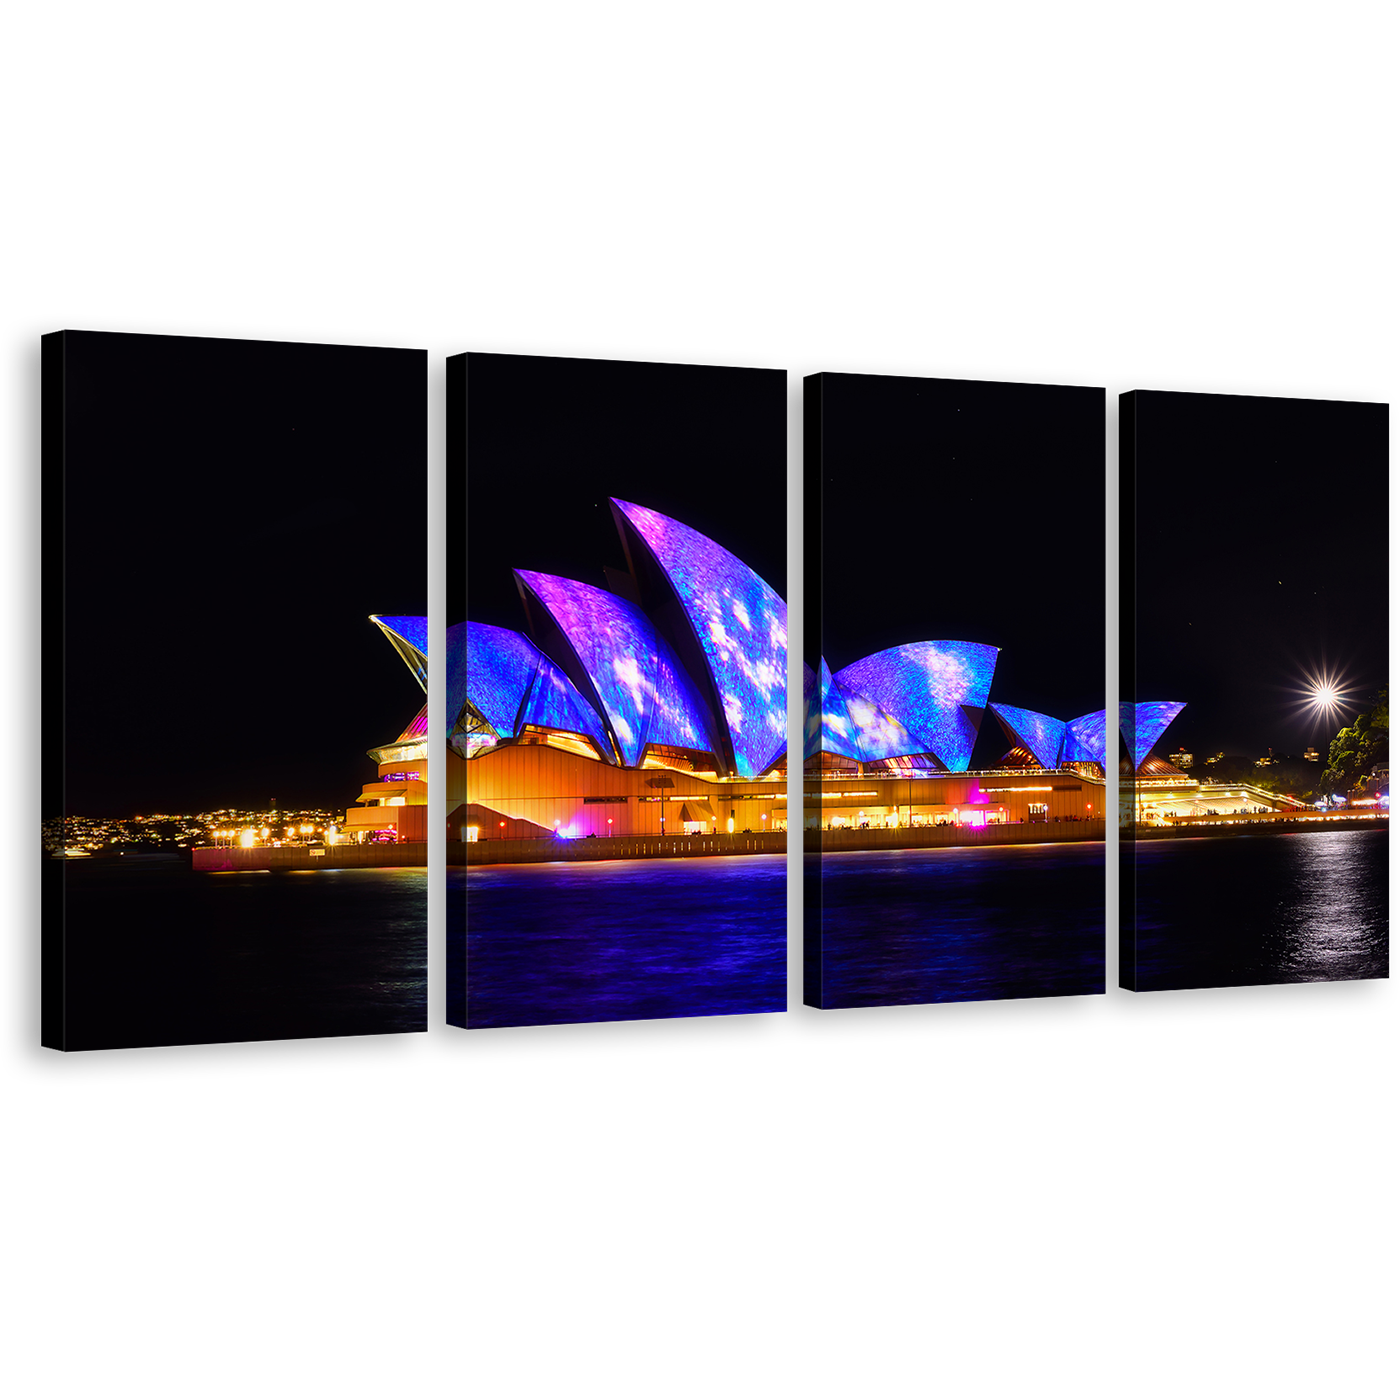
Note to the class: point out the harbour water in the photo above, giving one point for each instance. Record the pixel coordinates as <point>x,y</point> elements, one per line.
<point>1246,910</point>
<point>960,924</point>
<point>158,954</point>
<point>618,940</point>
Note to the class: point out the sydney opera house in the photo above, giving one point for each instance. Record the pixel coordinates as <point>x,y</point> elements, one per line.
<point>394,807</point>
<point>891,738</point>
<point>653,707</point>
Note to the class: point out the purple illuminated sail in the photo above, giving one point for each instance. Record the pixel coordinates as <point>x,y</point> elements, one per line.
<point>878,733</point>
<point>741,626</point>
<point>1041,734</point>
<point>554,702</point>
<point>647,697</point>
<point>811,713</point>
<point>838,730</point>
<point>1145,722</point>
<point>510,683</point>
<point>1085,740</point>
<point>497,668</point>
<point>926,686</point>
<point>409,637</point>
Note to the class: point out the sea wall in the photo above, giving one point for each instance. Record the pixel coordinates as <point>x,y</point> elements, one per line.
<point>347,857</point>
<point>1265,827</point>
<point>924,838</point>
<point>614,848</point>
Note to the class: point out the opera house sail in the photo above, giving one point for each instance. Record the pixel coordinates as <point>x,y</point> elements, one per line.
<point>650,719</point>
<point>915,711</point>
<point>393,808</point>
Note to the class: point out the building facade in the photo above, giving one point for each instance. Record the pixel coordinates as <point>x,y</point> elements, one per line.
<point>1023,795</point>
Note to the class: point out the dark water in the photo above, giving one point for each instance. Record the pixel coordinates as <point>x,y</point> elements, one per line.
<point>160,955</point>
<point>958,924</point>
<point>1245,910</point>
<point>620,940</point>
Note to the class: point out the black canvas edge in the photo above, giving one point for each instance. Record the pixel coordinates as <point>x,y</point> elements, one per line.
<point>804,639</point>
<point>444,521</point>
<point>1127,682</point>
<point>1120,576</point>
<point>812,384</point>
<point>455,1009</point>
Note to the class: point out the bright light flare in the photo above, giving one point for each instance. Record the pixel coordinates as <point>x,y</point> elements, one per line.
<point>1324,697</point>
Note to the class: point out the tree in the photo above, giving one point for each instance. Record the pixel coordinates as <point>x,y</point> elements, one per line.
<point>1358,748</point>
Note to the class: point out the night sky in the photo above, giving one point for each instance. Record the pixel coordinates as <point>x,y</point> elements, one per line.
<point>956,510</point>
<point>1262,556</point>
<point>550,440</point>
<point>235,510</point>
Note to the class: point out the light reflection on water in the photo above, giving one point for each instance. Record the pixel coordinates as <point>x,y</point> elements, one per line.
<point>1242,911</point>
<point>570,941</point>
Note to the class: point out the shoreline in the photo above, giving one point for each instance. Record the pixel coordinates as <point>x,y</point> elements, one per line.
<point>942,837</point>
<point>222,859</point>
<point>1260,828</point>
<point>546,849</point>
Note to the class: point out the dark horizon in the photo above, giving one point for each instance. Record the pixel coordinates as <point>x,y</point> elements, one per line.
<point>964,510</point>
<point>550,440</point>
<point>234,512</point>
<point>1253,564</point>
